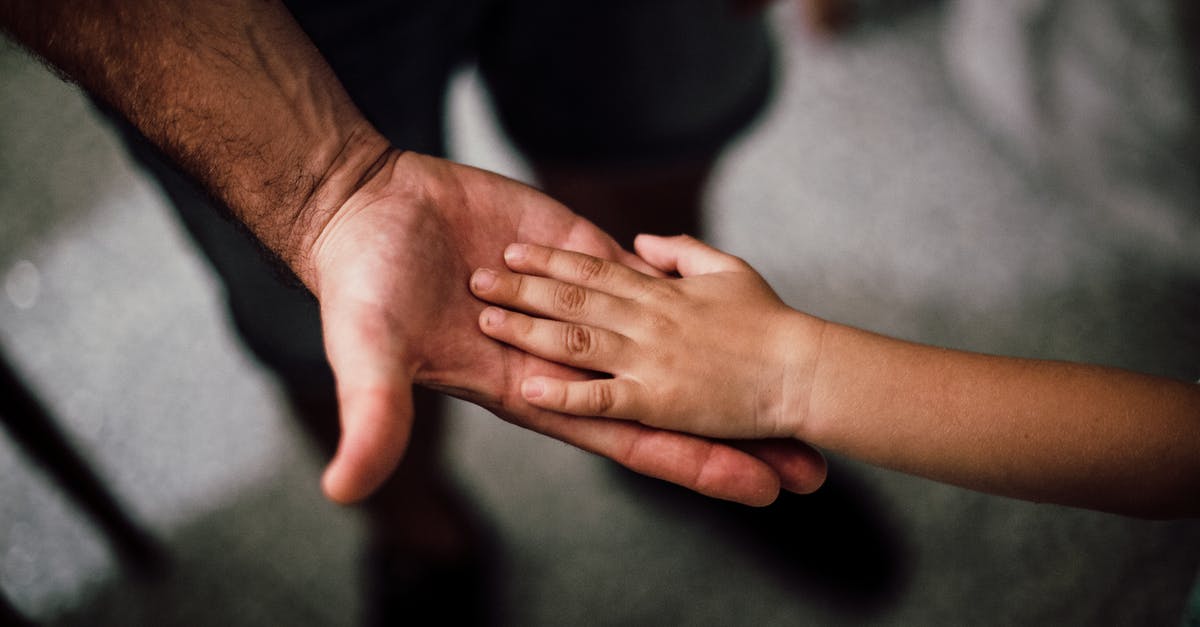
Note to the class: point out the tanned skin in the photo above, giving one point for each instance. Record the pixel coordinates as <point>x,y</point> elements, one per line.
<point>236,93</point>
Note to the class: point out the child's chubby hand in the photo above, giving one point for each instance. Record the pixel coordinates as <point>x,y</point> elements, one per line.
<point>714,353</point>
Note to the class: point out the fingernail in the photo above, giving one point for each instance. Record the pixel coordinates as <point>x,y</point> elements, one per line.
<point>515,252</point>
<point>492,316</point>
<point>483,280</point>
<point>533,389</point>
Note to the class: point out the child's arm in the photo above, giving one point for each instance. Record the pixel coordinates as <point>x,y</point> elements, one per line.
<point>717,353</point>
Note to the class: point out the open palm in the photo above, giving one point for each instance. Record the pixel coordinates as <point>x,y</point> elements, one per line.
<point>392,268</point>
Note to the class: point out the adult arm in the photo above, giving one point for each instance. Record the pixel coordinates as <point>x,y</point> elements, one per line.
<point>235,92</point>
<point>232,90</point>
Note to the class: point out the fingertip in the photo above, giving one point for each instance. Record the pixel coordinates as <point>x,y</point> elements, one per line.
<point>805,473</point>
<point>650,248</point>
<point>692,256</point>
<point>491,318</point>
<point>344,483</point>
<point>375,429</point>
<point>336,489</point>
<point>516,253</point>
<point>734,475</point>
<point>801,468</point>
<point>645,238</point>
<point>533,388</point>
<point>764,497</point>
<point>760,494</point>
<point>482,280</point>
<point>808,480</point>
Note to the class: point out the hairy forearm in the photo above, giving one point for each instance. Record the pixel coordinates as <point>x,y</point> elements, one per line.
<point>1065,433</point>
<point>232,90</point>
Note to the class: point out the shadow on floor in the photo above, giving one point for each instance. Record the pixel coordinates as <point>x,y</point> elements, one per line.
<point>837,543</point>
<point>277,556</point>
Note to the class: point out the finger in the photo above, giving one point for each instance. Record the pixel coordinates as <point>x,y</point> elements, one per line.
<point>588,239</point>
<point>801,468</point>
<point>549,298</point>
<point>638,264</point>
<point>572,344</point>
<point>710,468</point>
<point>374,403</point>
<point>685,254</point>
<point>576,268</point>
<point>610,398</point>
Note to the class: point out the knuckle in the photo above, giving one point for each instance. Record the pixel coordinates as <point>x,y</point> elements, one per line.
<point>569,299</point>
<point>578,340</point>
<point>519,287</point>
<point>591,269</point>
<point>521,326</point>
<point>600,398</point>
<point>659,324</point>
<point>658,292</point>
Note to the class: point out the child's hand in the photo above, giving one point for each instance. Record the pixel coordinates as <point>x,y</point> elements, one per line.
<point>714,353</point>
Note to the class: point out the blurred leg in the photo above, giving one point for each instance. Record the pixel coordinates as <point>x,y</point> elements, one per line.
<point>828,17</point>
<point>623,108</point>
<point>663,200</point>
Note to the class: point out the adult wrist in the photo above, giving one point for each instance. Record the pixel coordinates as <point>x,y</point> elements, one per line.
<point>345,169</point>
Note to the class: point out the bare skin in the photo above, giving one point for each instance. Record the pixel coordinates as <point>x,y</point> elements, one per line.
<point>235,92</point>
<point>717,353</point>
<point>430,335</point>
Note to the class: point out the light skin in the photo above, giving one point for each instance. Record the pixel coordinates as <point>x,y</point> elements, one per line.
<point>237,95</point>
<point>715,352</point>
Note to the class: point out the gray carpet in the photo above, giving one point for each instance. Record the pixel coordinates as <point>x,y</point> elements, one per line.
<point>868,195</point>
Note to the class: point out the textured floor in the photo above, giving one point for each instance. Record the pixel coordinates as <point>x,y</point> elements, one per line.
<point>867,196</point>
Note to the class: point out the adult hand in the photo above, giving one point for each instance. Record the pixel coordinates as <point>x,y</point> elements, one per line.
<point>242,100</point>
<point>391,270</point>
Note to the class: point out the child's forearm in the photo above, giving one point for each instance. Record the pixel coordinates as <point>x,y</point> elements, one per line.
<point>717,353</point>
<point>1065,433</point>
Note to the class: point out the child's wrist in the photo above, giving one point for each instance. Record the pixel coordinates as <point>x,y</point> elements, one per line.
<point>798,349</point>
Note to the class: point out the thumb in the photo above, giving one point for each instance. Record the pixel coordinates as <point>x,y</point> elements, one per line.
<point>375,409</point>
<point>684,254</point>
<point>637,263</point>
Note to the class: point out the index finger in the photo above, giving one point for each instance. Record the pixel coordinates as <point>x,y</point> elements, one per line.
<point>577,268</point>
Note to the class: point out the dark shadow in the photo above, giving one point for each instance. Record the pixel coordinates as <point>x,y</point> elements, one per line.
<point>281,554</point>
<point>866,17</point>
<point>10,616</point>
<point>36,431</point>
<point>403,590</point>
<point>276,556</point>
<point>837,542</point>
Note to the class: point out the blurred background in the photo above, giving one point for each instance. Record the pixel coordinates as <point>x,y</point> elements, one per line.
<point>979,175</point>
